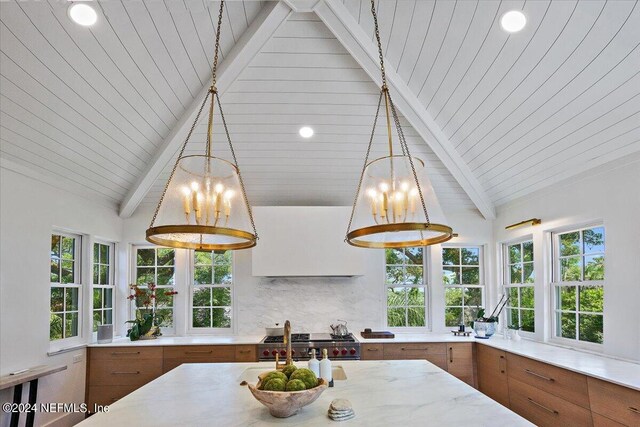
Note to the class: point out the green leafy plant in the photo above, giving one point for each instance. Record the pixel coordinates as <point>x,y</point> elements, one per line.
<point>147,320</point>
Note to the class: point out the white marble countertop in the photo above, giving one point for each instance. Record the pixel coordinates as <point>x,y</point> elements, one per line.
<point>606,368</point>
<point>407,338</point>
<point>190,340</point>
<point>383,393</point>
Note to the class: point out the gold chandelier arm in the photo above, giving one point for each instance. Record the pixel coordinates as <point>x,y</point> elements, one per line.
<point>175,166</point>
<point>366,160</point>
<point>235,162</point>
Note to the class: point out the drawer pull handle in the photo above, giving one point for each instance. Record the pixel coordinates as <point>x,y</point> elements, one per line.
<point>126,373</point>
<point>198,352</point>
<point>450,354</point>
<point>415,349</point>
<point>244,351</point>
<point>118,353</point>
<point>373,349</point>
<point>634,410</point>
<point>535,374</point>
<point>553,411</point>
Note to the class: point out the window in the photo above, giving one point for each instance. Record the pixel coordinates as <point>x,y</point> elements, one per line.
<point>462,278</point>
<point>519,276</point>
<point>65,286</point>
<point>212,281</point>
<point>579,284</point>
<point>406,300</point>
<point>157,265</point>
<point>103,284</point>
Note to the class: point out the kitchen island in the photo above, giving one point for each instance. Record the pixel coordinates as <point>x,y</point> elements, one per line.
<point>383,393</point>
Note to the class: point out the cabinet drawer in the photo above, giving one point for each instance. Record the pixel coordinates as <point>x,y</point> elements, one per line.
<point>246,353</point>
<point>602,421</point>
<point>372,351</point>
<point>563,383</point>
<point>210,353</point>
<point>545,409</point>
<point>125,353</point>
<point>107,394</point>
<point>619,403</point>
<point>492,373</point>
<point>413,350</point>
<point>129,372</point>
<point>460,361</point>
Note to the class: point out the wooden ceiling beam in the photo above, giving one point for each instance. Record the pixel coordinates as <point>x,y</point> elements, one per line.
<point>272,15</point>
<point>354,39</point>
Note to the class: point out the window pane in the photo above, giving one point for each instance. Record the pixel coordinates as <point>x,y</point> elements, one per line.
<point>566,297</point>
<point>594,267</point>
<point>165,316</point>
<point>162,299</point>
<point>527,297</point>
<point>416,316</point>
<point>146,257</point>
<point>68,249</point>
<point>108,298</point>
<point>165,256</point>
<point>104,275</point>
<point>395,275</point>
<point>201,317</point>
<point>55,327</point>
<point>97,319</point>
<point>591,299</point>
<point>513,318</point>
<point>96,274</point>
<point>570,243</point>
<point>570,269</point>
<point>590,327</point>
<point>515,274</point>
<point>108,317</point>
<point>593,240</point>
<point>97,298</point>
<point>55,246</point>
<point>469,315</point>
<point>67,272</point>
<point>452,316</point>
<point>57,299</point>
<point>450,256</point>
<point>513,297</point>
<point>414,275</point>
<point>567,325</point>
<point>165,276</point>
<point>415,296</point>
<point>396,297</point>
<point>202,275</point>
<point>473,297</point>
<point>453,296</point>
<point>396,317</point>
<point>451,275</point>
<point>529,275</point>
<point>515,254</point>
<point>221,296</point>
<point>222,275</point>
<point>221,317</point>
<point>71,299</point>
<point>413,255</point>
<point>527,251</point>
<point>527,320</point>
<point>144,276</point>
<point>223,257</point>
<point>55,271</point>
<point>471,275</point>
<point>104,254</point>
<point>470,256</point>
<point>70,325</point>
<point>96,252</point>
<point>203,258</point>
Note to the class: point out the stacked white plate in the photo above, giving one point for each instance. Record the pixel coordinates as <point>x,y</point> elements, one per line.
<point>341,410</point>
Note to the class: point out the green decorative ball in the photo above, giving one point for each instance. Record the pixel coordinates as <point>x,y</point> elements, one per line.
<point>274,374</point>
<point>275,384</point>
<point>288,370</point>
<point>296,385</point>
<point>306,376</point>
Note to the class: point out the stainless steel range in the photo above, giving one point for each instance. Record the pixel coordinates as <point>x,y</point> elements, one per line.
<point>338,347</point>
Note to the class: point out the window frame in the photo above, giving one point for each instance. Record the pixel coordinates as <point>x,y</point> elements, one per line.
<point>78,283</point>
<point>111,283</point>
<point>425,284</point>
<point>191,330</point>
<point>506,283</point>
<point>555,284</point>
<point>481,275</point>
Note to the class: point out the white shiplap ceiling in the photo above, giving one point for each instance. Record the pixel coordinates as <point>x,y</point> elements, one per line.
<point>90,108</point>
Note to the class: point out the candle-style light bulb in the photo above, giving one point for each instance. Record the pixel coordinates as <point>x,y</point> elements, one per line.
<point>185,203</point>
<point>413,195</point>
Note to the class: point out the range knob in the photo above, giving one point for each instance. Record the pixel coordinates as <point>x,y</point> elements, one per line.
<point>274,352</point>
<point>265,353</point>
<point>283,353</point>
<point>336,352</point>
<point>344,351</point>
<point>352,351</point>
<point>293,352</point>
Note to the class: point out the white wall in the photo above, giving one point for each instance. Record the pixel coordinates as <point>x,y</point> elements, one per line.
<point>609,195</point>
<point>29,211</point>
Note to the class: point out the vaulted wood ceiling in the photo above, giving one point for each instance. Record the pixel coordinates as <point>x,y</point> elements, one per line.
<point>101,111</point>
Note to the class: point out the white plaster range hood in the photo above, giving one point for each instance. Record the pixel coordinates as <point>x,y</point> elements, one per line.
<point>299,241</point>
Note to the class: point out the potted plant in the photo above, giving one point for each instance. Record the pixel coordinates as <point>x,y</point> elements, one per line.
<point>146,325</point>
<point>483,326</point>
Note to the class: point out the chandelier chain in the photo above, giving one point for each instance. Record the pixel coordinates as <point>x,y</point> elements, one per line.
<point>235,162</point>
<point>175,166</point>
<point>214,68</point>
<point>366,160</point>
<point>375,21</point>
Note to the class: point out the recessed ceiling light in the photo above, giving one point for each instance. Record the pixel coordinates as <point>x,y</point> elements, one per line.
<point>513,21</point>
<point>306,132</point>
<point>83,14</point>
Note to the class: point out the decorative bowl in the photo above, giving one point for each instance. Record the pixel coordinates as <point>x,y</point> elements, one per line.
<point>283,404</point>
<point>489,328</point>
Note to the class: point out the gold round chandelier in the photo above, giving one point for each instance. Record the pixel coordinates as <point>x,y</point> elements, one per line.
<point>389,210</point>
<point>204,204</point>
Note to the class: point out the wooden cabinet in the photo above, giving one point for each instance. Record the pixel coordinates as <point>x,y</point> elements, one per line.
<point>372,351</point>
<point>435,353</point>
<point>175,356</point>
<point>492,374</point>
<point>460,361</point>
<point>246,353</point>
<point>543,408</point>
<point>616,404</point>
<point>114,372</point>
